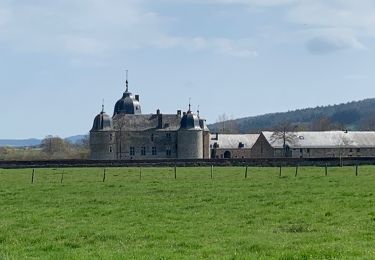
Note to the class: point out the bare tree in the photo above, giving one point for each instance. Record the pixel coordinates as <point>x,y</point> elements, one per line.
<point>54,146</point>
<point>227,125</point>
<point>84,142</point>
<point>285,133</point>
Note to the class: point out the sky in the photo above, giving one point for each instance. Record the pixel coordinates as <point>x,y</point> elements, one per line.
<point>59,59</point>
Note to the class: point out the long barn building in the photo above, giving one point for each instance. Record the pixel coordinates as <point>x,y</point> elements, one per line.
<point>319,144</point>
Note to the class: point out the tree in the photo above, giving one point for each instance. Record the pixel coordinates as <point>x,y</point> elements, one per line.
<point>368,124</point>
<point>323,124</point>
<point>227,125</point>
<point>84,143</point>
<point>284,132</point>
<point>54,146</point>
<point>345,117</point>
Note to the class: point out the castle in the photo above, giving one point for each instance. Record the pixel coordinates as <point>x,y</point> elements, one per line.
<point>129,134</point>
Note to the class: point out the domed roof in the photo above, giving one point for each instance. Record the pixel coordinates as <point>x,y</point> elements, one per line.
<point>102,122</point>
<point>190,121</point>
<point>127,104</point>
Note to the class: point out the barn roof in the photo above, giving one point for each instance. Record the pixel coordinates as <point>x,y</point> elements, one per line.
<point>324,139</point>
<point>232,141</point>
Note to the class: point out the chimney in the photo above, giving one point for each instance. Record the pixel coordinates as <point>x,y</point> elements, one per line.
<point>179,113</point>
<point>137,97</point>
<point>217,136</point>
<point>160,119</point>
<point>184,113</point>
<point>158,112</point>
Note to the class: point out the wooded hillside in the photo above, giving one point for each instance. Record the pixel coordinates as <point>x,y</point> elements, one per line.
<point>356,115</point>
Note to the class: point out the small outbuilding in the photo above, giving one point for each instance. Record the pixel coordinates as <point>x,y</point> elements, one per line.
<point>226,146</point>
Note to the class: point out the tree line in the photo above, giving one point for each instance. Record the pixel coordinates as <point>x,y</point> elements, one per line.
<point>52,147</point>
<point>357,115</point>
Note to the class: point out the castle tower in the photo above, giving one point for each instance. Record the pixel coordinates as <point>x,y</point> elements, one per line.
<point>190,137</point>
<point>102,138</point>
<point>128,104</point>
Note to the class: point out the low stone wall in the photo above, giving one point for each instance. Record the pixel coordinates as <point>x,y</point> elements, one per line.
<point>262,162</point>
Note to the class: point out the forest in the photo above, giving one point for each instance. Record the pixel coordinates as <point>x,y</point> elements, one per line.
<point>355,115</point>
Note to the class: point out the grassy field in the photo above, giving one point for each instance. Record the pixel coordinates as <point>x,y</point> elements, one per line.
<point>311,216</point>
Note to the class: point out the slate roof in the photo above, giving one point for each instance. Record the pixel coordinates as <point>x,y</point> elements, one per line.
<point>324,139</point>
<point>190,121</point>
<point>130,122</point>
<point>127,105</point>
<point>102,122</point>
<point>232,141</point>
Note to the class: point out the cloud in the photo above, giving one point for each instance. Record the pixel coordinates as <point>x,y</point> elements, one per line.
<point>78,27</point>
<point>260,3</point>
<point>347,21</point>
<point>228,47</point>
<point>240,48</point>
<point>332,40</point>
<point>94,27</point>
<point>332,26</point>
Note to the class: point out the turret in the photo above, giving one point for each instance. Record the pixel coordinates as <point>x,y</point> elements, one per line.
<point>102,138</point>
<point>190,137</point>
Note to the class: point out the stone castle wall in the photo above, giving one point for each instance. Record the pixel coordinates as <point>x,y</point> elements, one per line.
<point>190,144</point>
<point>103,145</point>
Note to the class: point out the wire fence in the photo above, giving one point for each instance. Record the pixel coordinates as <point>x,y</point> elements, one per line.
<point>132,174</point>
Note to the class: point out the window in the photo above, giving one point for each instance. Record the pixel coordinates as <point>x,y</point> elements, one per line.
<point>168,135</point>
<point>143,150</point>
<point>308,150</point>
<point>110,137</point>
<point>301,150</point>
<point>110,149</point>
<point>132,151</point>
<point>358,150</point>
<point>153,150</point>
<point>152,137</point>
<point>168,151</point>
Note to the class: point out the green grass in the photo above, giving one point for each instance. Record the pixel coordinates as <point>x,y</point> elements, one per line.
<point>310,216</point>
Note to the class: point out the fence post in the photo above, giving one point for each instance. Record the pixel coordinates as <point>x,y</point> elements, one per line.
<point>326,168</point>
<point>62,176</point>
<point>356,170</point>
<point>212,171</point>
<point>246,172</point>
<point>280,171</point>
<point>175,172</point>
<point>32,176</point>
<point>104,174</point>
<point>296,170</point>
<point>140,173</point>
